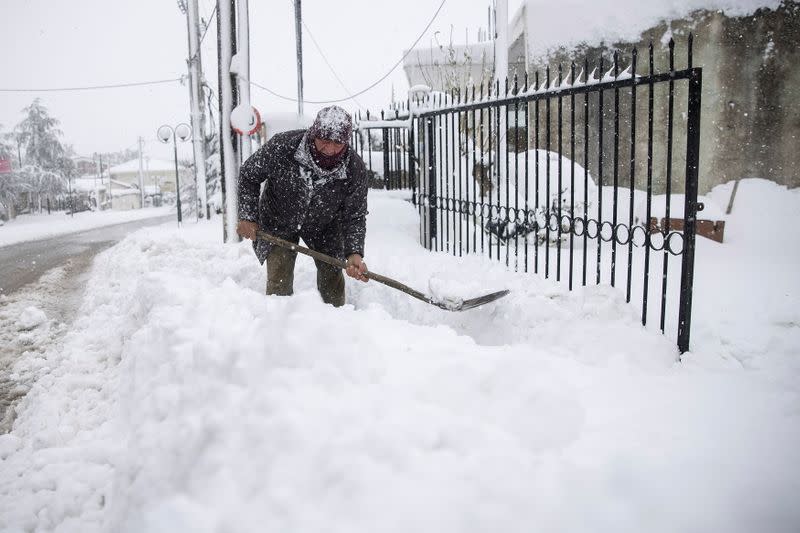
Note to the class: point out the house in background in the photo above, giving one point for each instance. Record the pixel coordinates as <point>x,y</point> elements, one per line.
<point>125,196</point>
<point>159,174</point>
<point>91,190</point>
<point>84,166</point>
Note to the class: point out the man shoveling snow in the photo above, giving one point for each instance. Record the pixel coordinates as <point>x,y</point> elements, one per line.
<point>315,189</point>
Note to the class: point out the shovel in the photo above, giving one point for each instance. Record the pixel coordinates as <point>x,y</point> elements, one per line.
<point>448,304</point>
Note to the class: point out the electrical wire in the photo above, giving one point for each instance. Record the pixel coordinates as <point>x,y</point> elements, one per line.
<point>202,37</point>
<point>112,86</point>
<point>208,24</point>
<point>92,87</point>
<point>327,62</point>
<point>370,87</point>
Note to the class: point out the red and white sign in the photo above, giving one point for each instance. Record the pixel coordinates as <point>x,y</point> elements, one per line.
<point>5,166</point>
<point>245,120</point>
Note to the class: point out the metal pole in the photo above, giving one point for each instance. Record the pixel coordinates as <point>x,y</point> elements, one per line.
<point>197,104</point>
<point>96,189</point>
<point>226,46</point>
<point>387,172</point>
<point>298,30</point>
<point>690,209</point>
<point>431,184</point>
<point>71,198</point>
<point>501,71</point>
<point>110,196</point>
<point>243,53</point>
<point>177,179</point>
<point>141,174</point>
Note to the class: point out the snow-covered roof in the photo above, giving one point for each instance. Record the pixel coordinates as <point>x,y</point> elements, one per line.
<point>87,184</point>
<point>125,185</point>
<point>600,21</point>
<point>124,192</point>
<point>153,165</point>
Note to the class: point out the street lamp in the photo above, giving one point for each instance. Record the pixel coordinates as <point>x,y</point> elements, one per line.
<point>183,132</point>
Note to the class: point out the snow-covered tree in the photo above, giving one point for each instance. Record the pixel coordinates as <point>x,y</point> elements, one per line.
<point>39,135</point>
<point>47,165</point>
<point>213,173</point>
<point>42,182</point>
<point>6,144</point>
<point>11,185</point>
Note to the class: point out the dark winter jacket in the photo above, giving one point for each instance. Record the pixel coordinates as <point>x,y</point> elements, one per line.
<point>327,209</point>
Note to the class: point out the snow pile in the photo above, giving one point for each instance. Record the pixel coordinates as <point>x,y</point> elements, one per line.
<point>185,400</point>
<point>30,318</point>
<point>748,291</point>
<point>33,227</point>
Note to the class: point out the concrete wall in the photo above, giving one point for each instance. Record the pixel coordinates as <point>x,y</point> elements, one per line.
<point>750,118</point>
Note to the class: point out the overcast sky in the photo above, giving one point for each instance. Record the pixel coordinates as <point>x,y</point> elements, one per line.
<point>49,43</point>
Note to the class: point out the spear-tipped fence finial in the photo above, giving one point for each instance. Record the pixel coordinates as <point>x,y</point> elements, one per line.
<point>671,54</point>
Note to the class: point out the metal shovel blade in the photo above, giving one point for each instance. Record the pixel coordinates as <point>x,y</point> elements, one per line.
<point>447,304</point>
<point>463,305</point>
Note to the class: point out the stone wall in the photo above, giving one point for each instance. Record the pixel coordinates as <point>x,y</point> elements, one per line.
<point>750,118</point>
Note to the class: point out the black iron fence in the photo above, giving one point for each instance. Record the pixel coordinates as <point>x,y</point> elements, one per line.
<point>586,173</point>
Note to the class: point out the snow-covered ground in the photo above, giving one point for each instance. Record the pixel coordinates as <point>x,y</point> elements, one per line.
<point>40,226</point>
<point>183,399</point>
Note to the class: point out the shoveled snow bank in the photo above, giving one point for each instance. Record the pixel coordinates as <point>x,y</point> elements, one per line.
<point>30,318</point>
<point>185,400</point>
<point>33,227</point>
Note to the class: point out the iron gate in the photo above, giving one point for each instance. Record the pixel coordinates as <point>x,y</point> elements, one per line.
<point>588,174</point>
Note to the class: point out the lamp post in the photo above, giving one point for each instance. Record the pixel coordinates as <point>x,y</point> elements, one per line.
<point>183,132</point>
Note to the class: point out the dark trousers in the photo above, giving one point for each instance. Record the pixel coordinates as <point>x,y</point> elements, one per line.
<point>280,277</point>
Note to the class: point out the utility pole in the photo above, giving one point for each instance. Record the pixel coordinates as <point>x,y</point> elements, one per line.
<point>96,188</point>
<point>243,70</point>
<point>141,173</point>
<point>108,187</point>
<point>298,31</point>
<point>229,181</point>
<point>197,105</point>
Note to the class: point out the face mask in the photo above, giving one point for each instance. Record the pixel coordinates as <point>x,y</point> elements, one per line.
<point>326,162</point>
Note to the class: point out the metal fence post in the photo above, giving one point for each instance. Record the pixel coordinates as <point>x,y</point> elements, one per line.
<point>386,169</point>
<point>431,191</point>
<point>690,209</point>
<point>412,164</point>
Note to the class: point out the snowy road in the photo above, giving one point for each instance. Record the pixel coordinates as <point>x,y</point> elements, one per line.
<point>25,262</point>
<point>43,281</point>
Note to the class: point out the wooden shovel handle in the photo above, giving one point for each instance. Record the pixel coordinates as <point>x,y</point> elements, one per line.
<point>338,263</point>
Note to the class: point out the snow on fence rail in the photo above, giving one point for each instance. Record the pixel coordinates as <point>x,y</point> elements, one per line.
<point>556,173</point>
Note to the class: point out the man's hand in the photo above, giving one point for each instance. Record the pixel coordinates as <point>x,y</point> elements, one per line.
<point>247,229</point>
<point>356,267</point>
